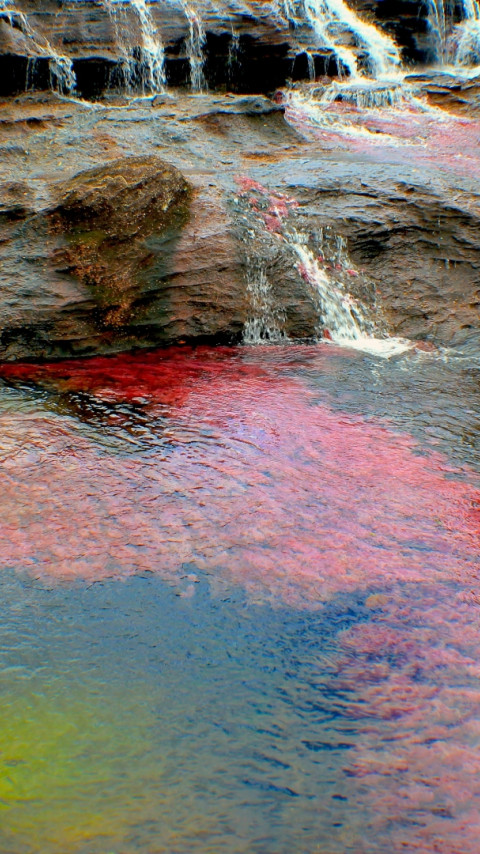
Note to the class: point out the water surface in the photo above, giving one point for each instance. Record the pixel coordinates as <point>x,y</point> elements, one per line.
<point>240,597</point>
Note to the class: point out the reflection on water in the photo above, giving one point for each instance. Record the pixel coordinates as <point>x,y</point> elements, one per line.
<point>241,602</point>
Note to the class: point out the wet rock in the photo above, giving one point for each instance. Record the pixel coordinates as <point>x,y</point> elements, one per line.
<point>82,273</point>
<point>135,253</point>
<point>416,240</point>
<point>16,200</point>
<point>449,91</point>
<point>246,48</point>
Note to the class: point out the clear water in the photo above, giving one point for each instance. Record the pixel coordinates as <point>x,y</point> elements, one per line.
<point>240,603</point>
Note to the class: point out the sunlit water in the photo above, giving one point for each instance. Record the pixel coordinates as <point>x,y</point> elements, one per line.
<point>240,603</point>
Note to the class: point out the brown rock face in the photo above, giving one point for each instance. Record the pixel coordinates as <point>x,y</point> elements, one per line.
<point>251,46</point>
<point>95,261</point>
<point>107,216</point>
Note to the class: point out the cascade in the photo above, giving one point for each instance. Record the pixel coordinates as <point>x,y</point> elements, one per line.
<point>455,43</point>
<point>322,262</point>
<point>195,48</point>
<point>339,28</point>
<point>61,74</point>
<point>143,66</point>
<point>264,322</point>
<point>345,320</point>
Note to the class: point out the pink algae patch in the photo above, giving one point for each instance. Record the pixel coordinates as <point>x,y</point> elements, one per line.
<point>246,478</point>
<point>411,677</point>
<point>408,132</point>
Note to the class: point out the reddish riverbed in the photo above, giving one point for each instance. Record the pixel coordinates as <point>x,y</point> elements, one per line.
<point>276,489</point>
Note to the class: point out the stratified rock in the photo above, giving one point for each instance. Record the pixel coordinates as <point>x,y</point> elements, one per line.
<point>417,241</point>
<point>16,200</point>
<point>246,47</point>
<point>82,273</point>
<point>449,91</point>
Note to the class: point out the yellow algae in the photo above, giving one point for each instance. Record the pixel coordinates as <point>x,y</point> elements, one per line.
<point>65,758</point>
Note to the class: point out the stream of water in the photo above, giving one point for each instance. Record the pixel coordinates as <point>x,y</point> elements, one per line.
<point>240,605</point>
<point>239,584</point>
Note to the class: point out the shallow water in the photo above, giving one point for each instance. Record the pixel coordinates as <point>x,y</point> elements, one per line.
<point>241,602</point>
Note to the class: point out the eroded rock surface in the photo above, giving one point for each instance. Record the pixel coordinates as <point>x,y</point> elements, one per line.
<point>85,273</point>
<point>104,247</point>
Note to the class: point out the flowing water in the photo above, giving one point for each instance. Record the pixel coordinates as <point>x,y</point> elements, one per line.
<point>195,48</point>
<point>240,604</point>
<point>240,610</point>
<point>142,67</point>
<point>335,24</point>
<point>62,76</point>
<point>455,42</point>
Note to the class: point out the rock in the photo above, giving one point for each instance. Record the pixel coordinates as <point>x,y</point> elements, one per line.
<point>91,266</point>
<point>416,240</point>
<point>247,48</point>
<point>135,253</point>
<point>16,200</point>
<point>449,91</point>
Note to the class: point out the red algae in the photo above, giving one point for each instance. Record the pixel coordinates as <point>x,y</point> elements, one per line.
<point>251,481</point>
<point>411,677</point>
<point>247,478</point>
<point>411,131</point>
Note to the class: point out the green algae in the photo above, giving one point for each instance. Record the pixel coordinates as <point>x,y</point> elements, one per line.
<point>67,751</point>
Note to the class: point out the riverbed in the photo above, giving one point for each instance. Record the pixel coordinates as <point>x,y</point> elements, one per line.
<point>240,602</point>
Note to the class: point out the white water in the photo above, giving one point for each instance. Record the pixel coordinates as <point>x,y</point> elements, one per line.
<point>62,76</point>
<point>456,44</point>
<point>264,322</point>
<point>347,321</point>
<point>336,26</point>
<point>195,48</point>
<point>143,65</point>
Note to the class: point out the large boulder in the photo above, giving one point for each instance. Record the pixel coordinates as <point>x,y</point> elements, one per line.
<point>83,274</point>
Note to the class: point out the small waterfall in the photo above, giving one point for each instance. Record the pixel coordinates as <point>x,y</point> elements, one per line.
<point>61,73</point>
<point>340,29</point>
<point>437,24</point>
<point>195,49</point>
<point>321,260</point>
<point>455,42</point>
<point>143,66</point>
<point>264,322</point>
<point>339,313</point>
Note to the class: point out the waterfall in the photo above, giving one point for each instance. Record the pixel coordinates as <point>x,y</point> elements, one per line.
<point>264,322</point>
<point>339,312</point>
<point>143,66</point>
<point>195,48</point>
<point>61,73</point>
<point>272,230</point>
<point>340,29</point>
<point>455,43</point>
<point>437,24</point>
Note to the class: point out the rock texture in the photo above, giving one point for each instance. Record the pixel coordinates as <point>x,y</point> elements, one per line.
<point>416,241</point>
<point>244,47</point>
<point>89,269</point>
<point>105,247</point>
